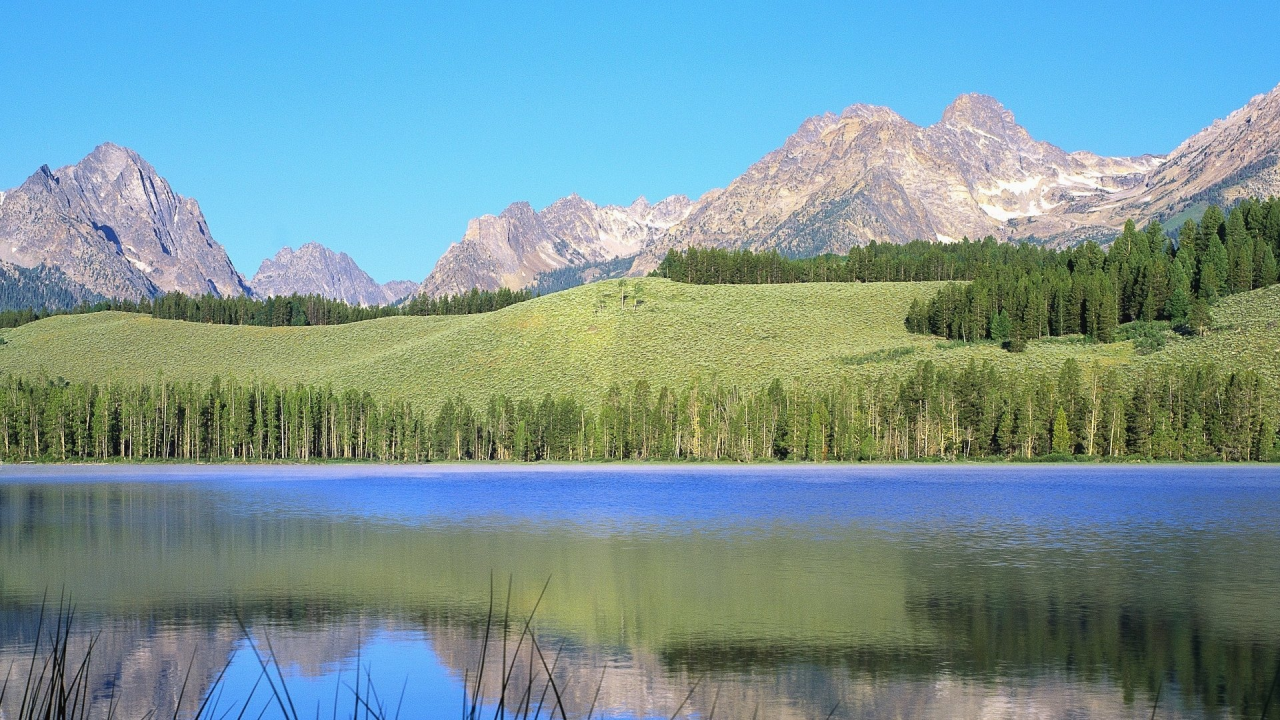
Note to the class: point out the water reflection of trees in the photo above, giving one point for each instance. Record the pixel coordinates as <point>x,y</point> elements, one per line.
<point>782,619</point>
<point>1072,673</point>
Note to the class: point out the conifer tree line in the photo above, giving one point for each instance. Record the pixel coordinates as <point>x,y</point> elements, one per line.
<point>876,262</point>
<point>1196,413</point>
<point>1022,292</point>
<point>1144,276</point>
<point>283,311</point>
<point>39,287</point>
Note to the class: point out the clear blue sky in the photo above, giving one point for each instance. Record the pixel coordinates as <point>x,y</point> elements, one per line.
<point>380,129</point>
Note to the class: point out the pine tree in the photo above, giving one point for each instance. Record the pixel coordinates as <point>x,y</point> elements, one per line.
<point>1198,316</point>
<point>1240,253</point>
<point>1187,254</point>
<point>1108,314</point>
<point>1157,289</point>
<point>1001,327</point>
<point>1179,301</point>
<point>1193,438</point>
<point>1061,433</point>
<point>1214,269</point>
<point>1211,226</point>
<point>1242,268</point>
<point>1124,246</point>
<point>1271,227</point>
<point>1267,271</point>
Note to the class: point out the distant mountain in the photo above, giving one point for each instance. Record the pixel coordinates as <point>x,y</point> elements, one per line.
<point>314,269</point>
<point>398,290</point>
<point>40,288</point>
<point>513,248</point>
<point>111,224</point>
<point>870,174</point>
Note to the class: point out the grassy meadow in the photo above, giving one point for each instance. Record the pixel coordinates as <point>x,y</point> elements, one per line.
<point>581,340</point>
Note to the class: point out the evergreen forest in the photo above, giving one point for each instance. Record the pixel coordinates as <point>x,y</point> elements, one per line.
<point>39,287</point>
<point>1193,413</point>
<point>285,311</point>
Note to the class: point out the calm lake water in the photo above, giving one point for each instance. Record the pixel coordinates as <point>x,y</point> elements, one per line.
<point>775,592</point>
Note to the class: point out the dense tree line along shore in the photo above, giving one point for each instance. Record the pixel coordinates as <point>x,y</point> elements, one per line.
<point>292,310</point>
<point>1195,413</point>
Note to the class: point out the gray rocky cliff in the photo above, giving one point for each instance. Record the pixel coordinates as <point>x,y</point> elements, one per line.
<point>113,225</point>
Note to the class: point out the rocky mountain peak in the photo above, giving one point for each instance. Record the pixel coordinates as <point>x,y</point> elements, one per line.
<point>871,113</point>
<point>42,180</point>
<point>812,128</point>
<point>112,224</point>
<point>520,210</point>
<point>573,203</point>
<point>314,269</point>
<point>974,111</point>
<point>1235,157</point>
<point>112,159</point>
<point>513,248</point>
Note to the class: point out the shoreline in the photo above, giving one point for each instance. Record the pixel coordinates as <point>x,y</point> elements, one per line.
<point>145,472</point>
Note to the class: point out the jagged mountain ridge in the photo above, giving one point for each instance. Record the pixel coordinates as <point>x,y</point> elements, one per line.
<point>870,174</point>
<point>113,227</point>
<point>512,248</point>
<point>314,269</point>
<point>111,224</point>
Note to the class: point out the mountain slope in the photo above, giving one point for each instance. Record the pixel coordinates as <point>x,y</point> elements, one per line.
<point>399,289</point>
<point>113,225</point>
<point>40,288</point>
<point>314,269</point>
<point>514,247</point>
<point>1234,158</point>
<point>582,340</point>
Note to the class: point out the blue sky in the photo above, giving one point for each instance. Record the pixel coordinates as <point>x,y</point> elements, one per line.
<point>380,129</point>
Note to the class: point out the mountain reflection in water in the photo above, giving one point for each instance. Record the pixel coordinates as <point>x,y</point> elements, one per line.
<point>907,591</point>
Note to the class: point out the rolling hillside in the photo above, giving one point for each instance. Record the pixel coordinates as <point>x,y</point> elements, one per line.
<point>582,340</point>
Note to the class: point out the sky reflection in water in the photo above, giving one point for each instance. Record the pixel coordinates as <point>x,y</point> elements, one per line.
<point>995,591</point>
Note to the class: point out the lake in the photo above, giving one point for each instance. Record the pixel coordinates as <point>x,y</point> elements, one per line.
<point>910,591</point>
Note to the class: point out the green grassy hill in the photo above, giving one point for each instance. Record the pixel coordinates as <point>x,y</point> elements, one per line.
<point>582,340</point>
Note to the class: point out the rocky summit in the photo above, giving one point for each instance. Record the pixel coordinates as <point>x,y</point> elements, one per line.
<point>314,269</point>
<point>511,249</point>
<point>111,224</point>
<point>868,174</point>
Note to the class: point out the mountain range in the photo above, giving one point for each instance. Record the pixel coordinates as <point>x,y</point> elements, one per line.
<point>868,174</point>
<point>111,226</point>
